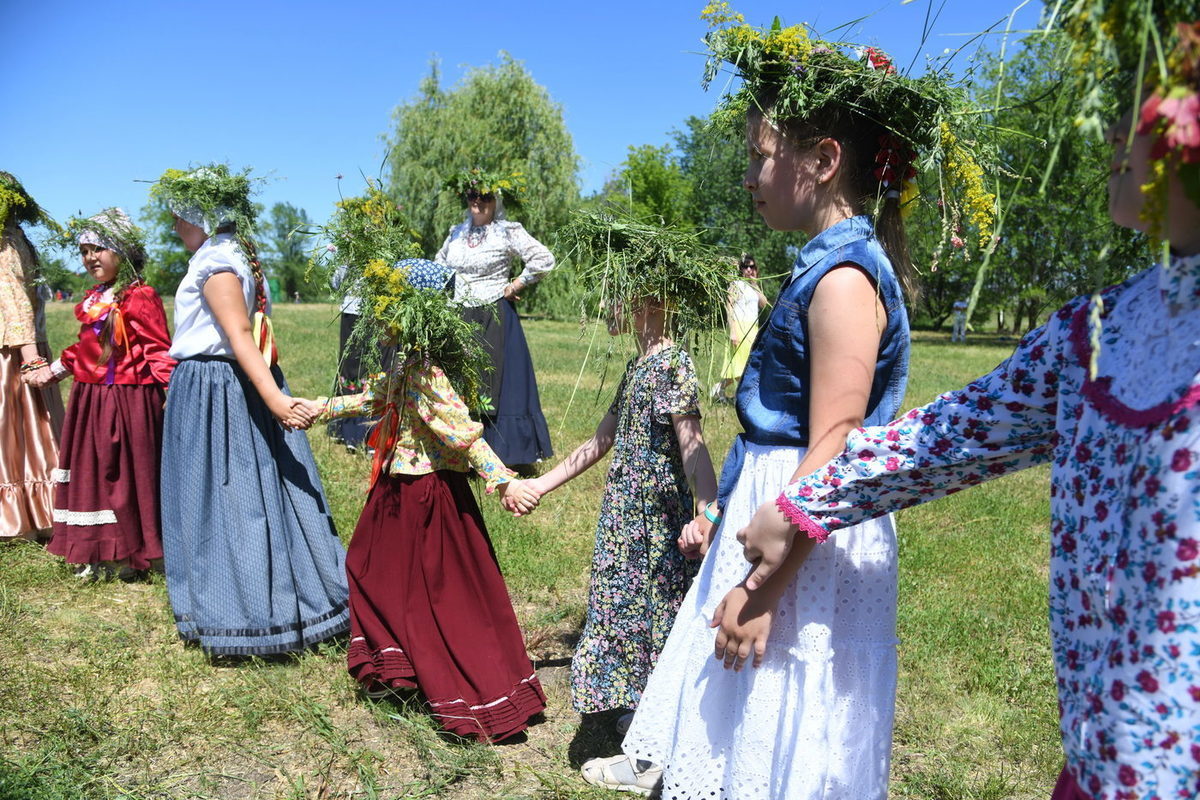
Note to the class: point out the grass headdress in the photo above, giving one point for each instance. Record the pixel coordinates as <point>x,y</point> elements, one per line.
<point>402,297</point>
<point>626,261</point>
<point>111,229</point>
<point>792,77</point>
<point>17,206</point>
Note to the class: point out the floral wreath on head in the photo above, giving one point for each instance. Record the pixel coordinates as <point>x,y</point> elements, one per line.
<point>18,206</point>
<point>113,230</point>
<point>507,187</point>
<point>210,197</point>
<point>625,261</point>
<point>375,251</point>
<point>1152,47</point>
<point>929,123</point>
<point>216,199</point>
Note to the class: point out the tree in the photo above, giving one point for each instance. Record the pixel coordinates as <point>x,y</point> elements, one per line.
<point>497,118</point>
<point>1056,238</point>
<point>166,257</point>
<point>714,162</point>
<point>651,184</point>
<point>285,253</point>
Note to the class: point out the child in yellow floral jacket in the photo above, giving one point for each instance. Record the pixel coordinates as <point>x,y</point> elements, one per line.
<point>428,606</point>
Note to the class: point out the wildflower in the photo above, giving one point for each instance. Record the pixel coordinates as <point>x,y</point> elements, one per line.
<point>880,60</point>
<point>718,13</point>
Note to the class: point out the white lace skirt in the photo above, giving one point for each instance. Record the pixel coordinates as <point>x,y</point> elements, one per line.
<point>815,720</point>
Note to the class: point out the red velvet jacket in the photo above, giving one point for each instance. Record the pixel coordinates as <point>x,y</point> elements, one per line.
<point>142,360</point>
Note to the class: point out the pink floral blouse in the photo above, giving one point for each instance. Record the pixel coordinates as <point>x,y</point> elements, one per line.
<point>17,323</point>
<point>1125,513</point>
<point>435,430</point>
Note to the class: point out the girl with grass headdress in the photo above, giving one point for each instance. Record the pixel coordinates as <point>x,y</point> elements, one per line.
<point>253,563</point>
<point>660,475</point>
<point>429,609</point>
<point>106,512</point>
<point>830,132</point>
<point>30,410</point>
<point>1105,392</point>
<point>481,250</point>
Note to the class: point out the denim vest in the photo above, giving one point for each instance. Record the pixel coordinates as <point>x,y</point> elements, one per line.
<point>772,398</point>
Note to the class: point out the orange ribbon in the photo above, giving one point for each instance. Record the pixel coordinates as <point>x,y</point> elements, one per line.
<point>383,439</point>
<point>97,311</point>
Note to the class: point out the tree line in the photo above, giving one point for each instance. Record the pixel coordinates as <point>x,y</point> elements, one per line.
<point>1054,239</point>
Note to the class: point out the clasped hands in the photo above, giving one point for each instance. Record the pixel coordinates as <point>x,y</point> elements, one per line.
<point>521,497</point>
<point>299,414</point>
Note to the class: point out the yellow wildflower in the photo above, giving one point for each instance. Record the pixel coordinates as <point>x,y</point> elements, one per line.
<point>718,13</point>
<point>792,42</point>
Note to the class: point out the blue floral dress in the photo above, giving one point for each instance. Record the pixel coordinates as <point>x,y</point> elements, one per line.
<point>639,577</point>
<point>1124,448</point>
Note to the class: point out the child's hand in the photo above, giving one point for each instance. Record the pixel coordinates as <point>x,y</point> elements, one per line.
<point>766,542</point>
<point>301,413</point>
<point>743,623</point>
<point>696,537</point>
<point>519,498</point>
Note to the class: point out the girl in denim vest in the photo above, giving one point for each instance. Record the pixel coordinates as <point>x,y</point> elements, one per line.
<point>813,719</point>
<point>1105,392</point>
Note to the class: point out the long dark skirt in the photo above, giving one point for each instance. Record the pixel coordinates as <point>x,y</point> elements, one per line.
<point>516,427</point>
<point>429,608</point>
<point>106,495</point>
<point>253,562</point>
<point>352,369</point>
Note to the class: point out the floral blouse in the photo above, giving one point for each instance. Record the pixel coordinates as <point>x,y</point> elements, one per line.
<point>435,430</point>
<point>1124,448</point>
<point>481,258</point>
<point>17,323</point>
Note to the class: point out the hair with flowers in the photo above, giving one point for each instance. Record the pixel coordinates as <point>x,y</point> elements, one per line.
<point>1150,48</point>
<point>508,186</point>
<point>808,88</point>
<point>211,196</point>
<point>373,249</point>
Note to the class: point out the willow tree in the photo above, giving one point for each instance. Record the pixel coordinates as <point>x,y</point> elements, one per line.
<point>497,117</point>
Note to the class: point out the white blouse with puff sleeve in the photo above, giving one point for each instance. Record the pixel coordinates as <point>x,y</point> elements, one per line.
<point>481,256</point>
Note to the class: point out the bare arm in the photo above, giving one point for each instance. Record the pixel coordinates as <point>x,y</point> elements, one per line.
<point>223,291</point>
<point>846,322</point>
<point>581,459</point>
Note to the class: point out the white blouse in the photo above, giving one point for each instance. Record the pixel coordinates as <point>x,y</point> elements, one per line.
<point>480,258</point>
<point>197,332</point>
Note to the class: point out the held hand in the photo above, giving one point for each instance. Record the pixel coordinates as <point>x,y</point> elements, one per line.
<point>39,378</point>
<point>743,623</point>
<point>766,542</point>
<point>696,536</point>
<point>518,498</point>
<point>510,291</point>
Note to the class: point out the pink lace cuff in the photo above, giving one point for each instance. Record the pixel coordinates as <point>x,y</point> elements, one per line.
<point>801,520</point>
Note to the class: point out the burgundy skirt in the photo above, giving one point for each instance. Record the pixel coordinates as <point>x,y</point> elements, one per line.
<point>429,608</point>
<point>1068,788</point>
<point>106,498</point>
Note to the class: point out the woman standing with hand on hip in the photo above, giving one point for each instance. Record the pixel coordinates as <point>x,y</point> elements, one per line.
<point>481,249</point>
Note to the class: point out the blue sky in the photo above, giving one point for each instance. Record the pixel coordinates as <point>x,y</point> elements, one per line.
<point>98,95</point>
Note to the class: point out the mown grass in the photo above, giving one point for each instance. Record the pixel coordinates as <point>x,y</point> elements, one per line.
<point>98,699</point>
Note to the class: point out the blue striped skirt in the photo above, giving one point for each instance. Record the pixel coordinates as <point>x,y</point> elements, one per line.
<point>253,562</point>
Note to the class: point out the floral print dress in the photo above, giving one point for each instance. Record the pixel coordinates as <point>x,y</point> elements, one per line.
<point>639,577</point>
<point>1124,449</point>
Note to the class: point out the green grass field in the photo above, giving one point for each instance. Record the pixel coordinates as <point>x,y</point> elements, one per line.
<point>98,698</point>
